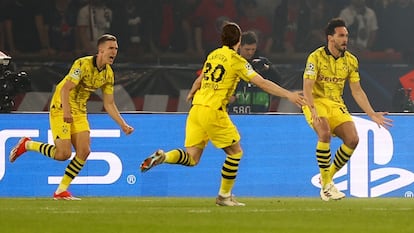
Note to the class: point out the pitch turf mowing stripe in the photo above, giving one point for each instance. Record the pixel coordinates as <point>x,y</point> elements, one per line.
<point>200,215</point>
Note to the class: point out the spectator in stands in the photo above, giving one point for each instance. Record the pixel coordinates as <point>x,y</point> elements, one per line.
<point>182,39</point>
<point>61,24</point>
<point>290,26</point>
<point>249,19</point>
<point>381,7</point>
<point>160,25</point>
<point>267,7</point>
<point>362,24</point>
<point>94,20</point>
<point>128,23</point>
<point>3,5</point>
<point>337,5</point>
<point>208,23</point>
<point>187,9</point>
<point>171,29</point>
<point>248,98</point>
<point>320,11</point>
<point>25,31</point>
<point>397,19</point>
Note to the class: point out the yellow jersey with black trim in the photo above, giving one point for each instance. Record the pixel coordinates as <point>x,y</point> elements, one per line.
<point>222,71</point>
<point>85,74</point>
<point>330,73</point>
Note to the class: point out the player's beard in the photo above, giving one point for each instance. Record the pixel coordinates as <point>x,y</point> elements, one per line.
<point>341,48</point>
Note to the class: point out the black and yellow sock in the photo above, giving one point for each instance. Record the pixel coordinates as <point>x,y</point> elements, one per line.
<point>342,155</point>
<point>71,171</point>
<point>229,173</point>
<point>48,150</point>
<point>323,155</point>
<point>179,156</point>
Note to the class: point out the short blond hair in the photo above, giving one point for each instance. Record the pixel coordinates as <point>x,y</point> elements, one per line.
<point>106,37</point>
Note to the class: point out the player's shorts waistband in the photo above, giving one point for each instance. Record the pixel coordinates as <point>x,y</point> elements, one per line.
<point>221,108</point>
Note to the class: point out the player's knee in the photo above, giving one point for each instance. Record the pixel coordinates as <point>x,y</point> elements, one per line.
<point>352,142</point>
<point>193,157</point>
<point>325,136</point>
<point>83,153</point>
<point>62,155</point>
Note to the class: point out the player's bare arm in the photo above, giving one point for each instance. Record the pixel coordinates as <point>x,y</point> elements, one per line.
<point>307,93</point>
<point>196,85</point>
<point>276,90</point>
<point>64,95</point>
<point>112,110</point>
<point>362,100</point>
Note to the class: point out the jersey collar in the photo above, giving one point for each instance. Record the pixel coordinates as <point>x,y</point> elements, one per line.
<point>329,53</point>
<point>96,65</point>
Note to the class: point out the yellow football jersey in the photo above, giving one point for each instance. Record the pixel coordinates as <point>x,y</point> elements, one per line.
<point>85,74</point>
<point>222,72</point>
<point>330,73</point>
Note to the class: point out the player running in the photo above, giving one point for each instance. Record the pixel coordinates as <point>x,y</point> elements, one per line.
<point>208,118</point>
<point>68,114</point>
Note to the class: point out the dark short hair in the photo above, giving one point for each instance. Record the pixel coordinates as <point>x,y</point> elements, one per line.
<point>334,23</point>
<point>249,38</point>
<point>230,34</point>
<point>106,37</point>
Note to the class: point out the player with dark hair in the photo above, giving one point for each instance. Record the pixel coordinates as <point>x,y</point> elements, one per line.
<point>68,114</point>
<point>327,70</point>
<point>208,118</point>
<point>248,98</point>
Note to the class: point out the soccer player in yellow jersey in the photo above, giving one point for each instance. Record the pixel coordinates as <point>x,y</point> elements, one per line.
<point>68,114</point>
<point>208,118</point>
<point>327,70</point>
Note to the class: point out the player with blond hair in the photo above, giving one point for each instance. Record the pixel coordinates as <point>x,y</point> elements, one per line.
<point>68,113</point>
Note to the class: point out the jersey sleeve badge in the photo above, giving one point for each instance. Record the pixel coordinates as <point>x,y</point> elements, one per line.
<point>310,69</point>
<point>76,74</point>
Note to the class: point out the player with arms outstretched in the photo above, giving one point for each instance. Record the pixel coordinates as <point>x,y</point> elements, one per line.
<point>68,114</point>
<point>208,118</point>
<point>327,70</point>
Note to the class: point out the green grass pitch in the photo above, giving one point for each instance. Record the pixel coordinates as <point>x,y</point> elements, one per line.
<point>199,215</point>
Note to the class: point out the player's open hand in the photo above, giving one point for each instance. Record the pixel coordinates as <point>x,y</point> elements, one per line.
<point>297,98</point>
<point>381,120</point>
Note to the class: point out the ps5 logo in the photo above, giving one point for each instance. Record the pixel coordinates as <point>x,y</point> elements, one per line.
<point>113,161</point>
<point>366,182</point>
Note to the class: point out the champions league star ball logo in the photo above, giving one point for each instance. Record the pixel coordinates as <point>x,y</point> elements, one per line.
<point>310,69</point>
<point>249,67</point>
<point>311,66</point>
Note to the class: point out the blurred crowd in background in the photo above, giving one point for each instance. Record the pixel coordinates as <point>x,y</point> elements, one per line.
<point>67,28</point>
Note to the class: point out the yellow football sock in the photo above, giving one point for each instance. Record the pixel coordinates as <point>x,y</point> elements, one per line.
<point>71,171</point>
<point>342,155</point>
<point>179,156</point>
<point>44,148</point>
<point>229,173</point>
<point>323,155</point>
